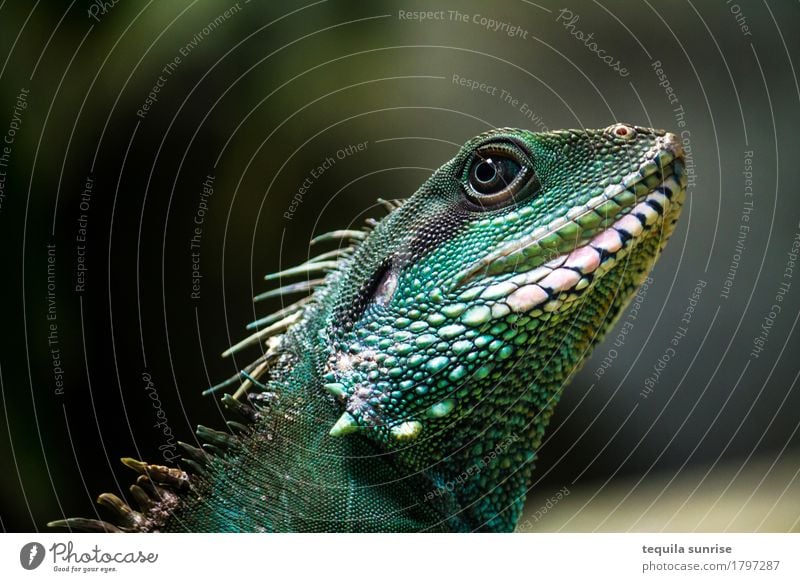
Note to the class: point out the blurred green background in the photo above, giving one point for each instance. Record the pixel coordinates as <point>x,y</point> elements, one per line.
<point>118,113</point>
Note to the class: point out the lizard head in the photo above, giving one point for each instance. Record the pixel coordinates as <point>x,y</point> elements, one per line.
<point>498,274</point>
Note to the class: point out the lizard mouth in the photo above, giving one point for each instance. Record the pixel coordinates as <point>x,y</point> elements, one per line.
<point>562,259</point>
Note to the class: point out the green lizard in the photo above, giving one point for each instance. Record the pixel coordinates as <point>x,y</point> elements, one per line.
<point>412,388</point>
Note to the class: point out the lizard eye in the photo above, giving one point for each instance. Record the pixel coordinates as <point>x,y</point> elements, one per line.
<point>491,174</point>
<point>497,174</point>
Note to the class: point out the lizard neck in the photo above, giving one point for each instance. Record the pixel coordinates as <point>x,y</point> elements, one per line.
<point>479,466</point>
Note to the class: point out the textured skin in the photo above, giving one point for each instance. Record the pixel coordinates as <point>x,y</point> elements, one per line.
<point>437,349</point>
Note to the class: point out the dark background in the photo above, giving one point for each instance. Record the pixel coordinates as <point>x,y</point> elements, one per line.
<point>264,98</point>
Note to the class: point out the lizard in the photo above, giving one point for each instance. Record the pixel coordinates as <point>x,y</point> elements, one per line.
<point>411,386</point>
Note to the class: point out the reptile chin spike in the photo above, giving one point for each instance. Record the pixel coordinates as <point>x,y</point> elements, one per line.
<point>267,357</point>
<point>190,466</point>
<point>406,431</point>
<point>251,380</point>
<point>215,437</point>
<point>141,497</point>
<point>157,493</point>
<point>160,474</point>
<point>243,410</point>
<point>304,269</point>
<point>356,235</point>
<point>135,464</point>
<point>192,452</point>
<point>83,524</point>
<point>280,314</point>
<point>390,205</point>
<point>301,287</point>
<point>237,427</point>
<point>275,329</point>
<point>345,425</point>
<point>127,516</point>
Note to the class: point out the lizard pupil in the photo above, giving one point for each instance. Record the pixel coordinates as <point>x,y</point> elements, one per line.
<point>485,171</point>
<point>491,175</point>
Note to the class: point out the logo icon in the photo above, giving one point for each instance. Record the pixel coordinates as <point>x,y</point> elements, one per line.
<point>31,555</point>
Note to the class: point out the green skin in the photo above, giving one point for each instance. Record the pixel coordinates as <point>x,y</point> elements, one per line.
<point>412,392</point>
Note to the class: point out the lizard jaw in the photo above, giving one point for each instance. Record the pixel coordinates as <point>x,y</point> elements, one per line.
<point>560,280</point>
<point>509,279</point>
<point>543,289</point>
<point>564,277</point>
<point>573,230</point>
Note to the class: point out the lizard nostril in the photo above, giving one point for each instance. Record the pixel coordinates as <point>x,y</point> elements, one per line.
<point>625,132</point>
